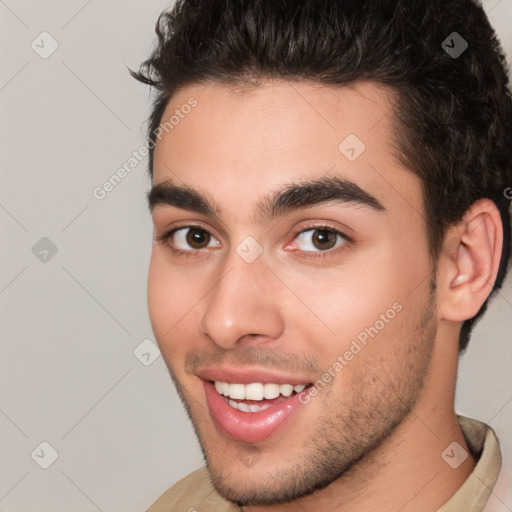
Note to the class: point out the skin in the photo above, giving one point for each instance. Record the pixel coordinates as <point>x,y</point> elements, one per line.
<point>372,438</point>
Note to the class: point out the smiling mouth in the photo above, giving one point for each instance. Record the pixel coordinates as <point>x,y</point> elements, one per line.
<point>256,396</point>
<point>251,405</point>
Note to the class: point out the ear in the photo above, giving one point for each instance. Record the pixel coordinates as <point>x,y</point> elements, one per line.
<point>469,262</point>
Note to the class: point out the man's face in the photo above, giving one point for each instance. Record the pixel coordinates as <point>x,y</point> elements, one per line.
<point>335,293</point>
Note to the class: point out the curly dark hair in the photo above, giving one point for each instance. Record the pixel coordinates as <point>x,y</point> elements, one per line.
<point>453,114</point>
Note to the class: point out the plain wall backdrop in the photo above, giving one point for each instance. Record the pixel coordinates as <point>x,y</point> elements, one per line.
<point>73,373</point>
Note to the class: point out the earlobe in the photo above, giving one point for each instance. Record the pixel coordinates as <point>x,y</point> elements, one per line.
<point>470,261</point>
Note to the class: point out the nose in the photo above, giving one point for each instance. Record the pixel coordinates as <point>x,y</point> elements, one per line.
<point>243,304</point>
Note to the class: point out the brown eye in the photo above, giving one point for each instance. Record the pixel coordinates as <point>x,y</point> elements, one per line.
<point>197,238</point>
<point>320,239</point>
<point>323,239</point>
<point>191,238</point>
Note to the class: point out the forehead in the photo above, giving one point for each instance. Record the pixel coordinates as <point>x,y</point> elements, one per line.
<point>238,145</point>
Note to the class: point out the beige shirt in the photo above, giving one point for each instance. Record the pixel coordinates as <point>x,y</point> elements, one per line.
<point>485,490</point>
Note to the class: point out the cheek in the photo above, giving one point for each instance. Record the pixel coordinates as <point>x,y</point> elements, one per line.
<point>357,310</point>
<point>159,296</point>
<point>174,305</point>
<point>340,302</point>
<point>167,305</point>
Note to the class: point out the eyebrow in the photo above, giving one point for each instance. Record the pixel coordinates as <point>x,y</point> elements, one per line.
<point>292,197</point>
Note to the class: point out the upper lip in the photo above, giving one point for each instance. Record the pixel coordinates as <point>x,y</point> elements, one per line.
<point>248,375</point>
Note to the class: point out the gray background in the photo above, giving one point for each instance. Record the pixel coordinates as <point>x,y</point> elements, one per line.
<point>72,320</point>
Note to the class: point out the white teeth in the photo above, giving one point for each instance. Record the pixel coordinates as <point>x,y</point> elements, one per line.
<point>240,406</point>
<point>286,389</point>
<point>258,408</point>
<point>271,390</point>
<point>256,390</point>
<point>237,391</point>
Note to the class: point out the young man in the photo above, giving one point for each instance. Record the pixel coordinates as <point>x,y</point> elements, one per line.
<point>331,216</point>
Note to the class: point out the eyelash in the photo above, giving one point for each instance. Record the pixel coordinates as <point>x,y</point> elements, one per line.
<point>163,239</point>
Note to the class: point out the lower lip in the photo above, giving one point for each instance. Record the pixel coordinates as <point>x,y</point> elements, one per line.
<point>250,427</point>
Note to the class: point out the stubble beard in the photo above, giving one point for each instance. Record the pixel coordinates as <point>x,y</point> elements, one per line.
<point>380,398</point>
